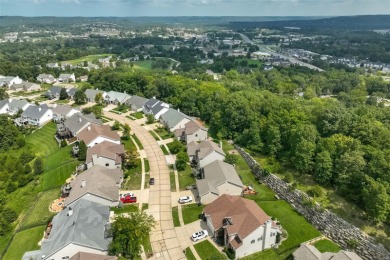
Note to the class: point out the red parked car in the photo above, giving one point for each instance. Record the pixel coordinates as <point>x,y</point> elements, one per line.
<point>128,199</point>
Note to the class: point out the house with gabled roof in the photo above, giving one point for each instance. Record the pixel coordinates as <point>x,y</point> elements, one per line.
<point>36,115</point>
<point>218,178</point>
<point>80,228</point>
<point>63,112</point>
<point>95,134</point>
<point>8,81</point>
<point>241,224</point>
<point>173,119</point>
<point>53,92</point>
<point>136,103</point>
<point>77,122</point>
<point>309,252</point>
<point>26,86</point>
<point>16,105</point>
<point>106,154</point>
<point>91,256</point>
<point>67,78</point>
<point>4,106</point>
<point>155,107</point>
<point>204,153</point>
<point>193,131</point>
<point>91,94</point>
<point>97,184</point>
<point>114,97</point>
<point>46,78</point>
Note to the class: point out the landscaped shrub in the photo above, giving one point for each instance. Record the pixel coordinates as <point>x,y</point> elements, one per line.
<point>63,143</point>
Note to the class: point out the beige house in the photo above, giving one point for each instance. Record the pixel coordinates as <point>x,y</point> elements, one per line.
<point>242,225</point>
<point>218,178</point>
<point>205,152</point>
<point>106,154</point>
<point>96,134</point>
<point>193,131</point>
<point>309,252</point>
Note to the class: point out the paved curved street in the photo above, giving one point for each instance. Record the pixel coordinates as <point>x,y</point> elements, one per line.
<point>163,238</point>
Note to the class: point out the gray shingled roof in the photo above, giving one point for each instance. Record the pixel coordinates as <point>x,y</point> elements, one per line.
<point>217,173</point>
<point>205,148</point>
<point>55,91</point>
<point>78,121</point>
<point>113,96</point>
<point>35,112</point>
<point>100,181</point>
<point>62,109</point>
<point>151,103</point>
<point>172,117</point>
<point>17,103</point>
<point>136,101</point>
<point>91,93</point>
<point>3,102</point>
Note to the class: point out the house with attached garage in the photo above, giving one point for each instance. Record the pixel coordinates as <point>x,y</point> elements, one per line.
<point>67,78</point>
<point>136,103</point>
<point>193,131</point>
<point>16,105</point>
<point>106,154</point>
<point>46,78</point>
<point>241,225</point>
<point>26,86</point>
<point>53,92</point>
<point>174,119</point>
<point>204,153</point>
<point>95,134</point>
<point>97,184</point>
<point>116,98</point>
<point>218,178</point>
<point>4,106</point>
<point>9,81</point>
<point>63,112</point>
<point>80,228</point>
<point>74,124</point>
<point>91,94</point>
<point>91,256</point>
<point>309,252</point>
<point>155,107</point>
<point>35,115</point>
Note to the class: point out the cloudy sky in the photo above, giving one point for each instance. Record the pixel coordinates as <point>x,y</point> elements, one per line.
<point>193,7</point>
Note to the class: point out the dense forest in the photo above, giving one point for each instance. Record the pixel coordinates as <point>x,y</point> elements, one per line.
<point>339,141</point>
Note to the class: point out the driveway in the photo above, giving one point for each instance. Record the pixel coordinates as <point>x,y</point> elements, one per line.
<point>184,233</point>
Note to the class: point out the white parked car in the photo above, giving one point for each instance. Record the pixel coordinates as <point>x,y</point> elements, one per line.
<point>199,235</point>
<point>185,199</point>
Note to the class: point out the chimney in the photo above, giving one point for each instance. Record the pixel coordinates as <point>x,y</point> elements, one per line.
<point>83,183</point>
<point>70,212</point>
<point>220,144</point>
<point>89,128</point>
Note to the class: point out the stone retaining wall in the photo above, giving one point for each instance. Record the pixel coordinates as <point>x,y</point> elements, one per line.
<point>328,223</point>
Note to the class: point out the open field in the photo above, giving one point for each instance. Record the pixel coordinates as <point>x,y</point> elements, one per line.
<point>89,58</point>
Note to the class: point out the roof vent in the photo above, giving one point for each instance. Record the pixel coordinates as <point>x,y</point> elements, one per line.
<point>83,183</point>
<point>70,212</point>
<point>39,109</point>
<point>79,119</point>
<point>89,128</point>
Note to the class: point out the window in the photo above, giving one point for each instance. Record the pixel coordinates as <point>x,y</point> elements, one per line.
<point>259,239</point>
<point>253,241</point>
<point>107,164</point>
<point>196,135</point>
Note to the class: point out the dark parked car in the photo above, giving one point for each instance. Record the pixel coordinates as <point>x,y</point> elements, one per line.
<point>151,181</point>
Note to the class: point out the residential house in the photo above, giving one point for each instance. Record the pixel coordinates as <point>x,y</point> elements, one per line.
<point>84,78</point>
<point>309,252</point>
<point>36,115</point>
<point>16,105</point>
<point>26,86</point>
<point>4,106</point>
<point>52,65</point>
<point>155,107</point>
<point>136,103</point>
<point>74,124</point>
<point>71,92</point>
<point>204,153</point>
<point>54,92</point>
<point>91,94</point>
<point>91,256</point>
<point>218,178</point>
<point>105,154</point>
<point>9,81</point>
<point>193,131</point>
<point>97,184</point>
<point>174,119</point>
<point>95,134</point>
<point>80,228</point>
<point>114,97</point>
<point>241,224</point>
<point>66,78</point>
<point>63,112</point>
<point>46,78</point>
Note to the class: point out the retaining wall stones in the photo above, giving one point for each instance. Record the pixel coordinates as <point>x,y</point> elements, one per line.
<point>328,223</point>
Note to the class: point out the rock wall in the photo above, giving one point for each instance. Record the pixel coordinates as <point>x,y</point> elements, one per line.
<point>328,223</point>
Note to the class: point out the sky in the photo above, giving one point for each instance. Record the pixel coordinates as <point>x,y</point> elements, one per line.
<point>193,7</point>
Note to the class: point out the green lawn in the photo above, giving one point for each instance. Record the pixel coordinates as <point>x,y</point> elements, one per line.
<point>172,181</point>
<point>130,117</point>
<point>137,115</point>
<point>207,251</point>
<point>125,209</point>
<point>175,217</point>
<point>89,58</point>
<point>129,145</point>
<point>115,112</point>
<point>145,206</point>
<point>164,149</point>
<point>55,177</point>
<point>146,163</point>
<point>154,135</point>
<point>65,101</point>
<point>59,157</point>
<point>163,133</point>
<point>189,254</point>
<point>268,254</point>
<point>143,65</point>
<point>24,241</point>
<point>191,212</point>
<point>42,141</point>
<point>185,178</point>
<point>135,177</point>
<point>138,142</point>
<point>326,245</point>
<point>39,212</point>
<point>147,246</point>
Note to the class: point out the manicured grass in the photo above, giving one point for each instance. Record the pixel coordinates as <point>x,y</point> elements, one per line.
<point>163,133</point>
<point>147,246</point>
<point>59,157</point>
<point>137,115</point>
<point>191,212</point>
<point>125,209</point>
<point>189,254</point>
<point>39,212</point>
<point>172,181</point>
<point>89,58</point>
<point>122,109</point>
<point>24,241</point>
<point>185,178</point>
<point>268,254</point>
<point>147,178</point>
<point>106,119</point>
<point>326,245</point>
<point>207,251</point>
<point>138,142</point>
<point>145,206</point>
<point>55,177</point>
<point>175,217</point>
<point>42,141</point>
<point>164,149</point>
<point>135,177</point>
<point>143,65</point>
<point>154,135</point>
<point>115,112</point>
<point>146,163</point>
<point>130,117</point>
<point>129,145</point>
<point>65,101</point>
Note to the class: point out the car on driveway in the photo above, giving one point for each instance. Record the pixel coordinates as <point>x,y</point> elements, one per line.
<point>151,181</point>
<point>127,194</point>
<point>199,235</point>
<point>185,199</point>
<point>128,199</point>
